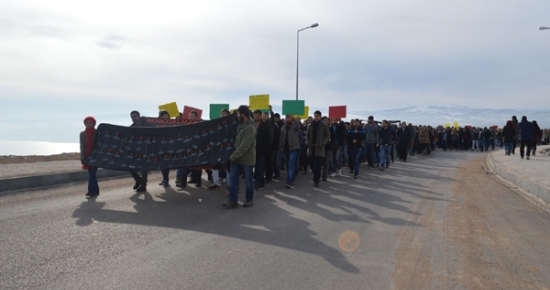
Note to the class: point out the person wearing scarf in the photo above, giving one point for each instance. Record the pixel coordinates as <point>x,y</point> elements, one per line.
<point>86,144</point>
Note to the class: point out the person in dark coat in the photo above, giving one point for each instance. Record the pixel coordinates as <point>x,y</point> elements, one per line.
<point>508,138</point>
<point>526,131</point>
<point>263,147</point>
<point>403,137</point>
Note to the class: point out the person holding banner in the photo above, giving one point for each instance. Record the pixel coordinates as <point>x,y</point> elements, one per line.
<point>163,114</point>
<point>216,172</point>
<point>141,181</point>
<point>317,136</point>
<point>86,146</point>
<point>242,159</point>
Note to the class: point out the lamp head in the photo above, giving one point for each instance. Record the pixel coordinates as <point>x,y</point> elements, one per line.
<point>317,24</point>
<point>543,28</point>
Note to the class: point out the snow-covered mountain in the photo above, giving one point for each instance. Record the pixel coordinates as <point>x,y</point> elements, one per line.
<point>440,115</point>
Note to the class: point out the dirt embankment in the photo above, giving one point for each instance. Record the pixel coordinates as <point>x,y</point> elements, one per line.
<point>14,159</point>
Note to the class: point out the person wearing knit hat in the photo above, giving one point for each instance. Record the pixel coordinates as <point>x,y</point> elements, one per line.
<point>86,146</point>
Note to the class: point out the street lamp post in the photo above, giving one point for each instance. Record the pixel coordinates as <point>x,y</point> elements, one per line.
<point>298,52</point>
<point>543,28</point>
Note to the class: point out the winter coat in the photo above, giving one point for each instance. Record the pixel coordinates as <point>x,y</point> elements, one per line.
<point>516,129</point>
<point>372,135</point>
<point>83,137</point>
<point>359,138</point>
<point>424,137</point>
<point>323,136</point>
<point>386,135</point>
<point>508,134</point>
<point>294,131</point>
<point>245,144</point>
<point>526,131</point>
<point>404,136</point>
<point>263,139</point>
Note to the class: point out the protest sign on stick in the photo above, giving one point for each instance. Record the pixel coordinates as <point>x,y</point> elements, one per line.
<point>294,107</point>
<point>337,112</point>
<point>259,102</point>
<point>215,110</point>
<point>171,108</point>
<point>187,110</point>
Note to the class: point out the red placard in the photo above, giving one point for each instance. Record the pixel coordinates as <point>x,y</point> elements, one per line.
<point>187,110</point>
<point>337,112</point>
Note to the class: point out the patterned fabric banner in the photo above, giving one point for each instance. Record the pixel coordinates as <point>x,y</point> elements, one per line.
<point>203,144</point>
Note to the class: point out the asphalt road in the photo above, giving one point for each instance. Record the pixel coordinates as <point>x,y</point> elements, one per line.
<point>435,222</point>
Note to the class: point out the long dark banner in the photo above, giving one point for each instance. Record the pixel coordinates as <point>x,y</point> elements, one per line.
<point>160,122</point>
<point>203,144</point>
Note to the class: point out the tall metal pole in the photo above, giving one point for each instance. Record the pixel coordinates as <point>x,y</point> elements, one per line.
<point>298,52</point>
<point>297,61</point>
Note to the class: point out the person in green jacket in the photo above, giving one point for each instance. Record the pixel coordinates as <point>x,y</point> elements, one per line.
<point>318,135</point>
<point>243,159</point>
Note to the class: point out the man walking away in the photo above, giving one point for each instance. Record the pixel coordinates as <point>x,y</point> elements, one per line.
<point>526,131</point>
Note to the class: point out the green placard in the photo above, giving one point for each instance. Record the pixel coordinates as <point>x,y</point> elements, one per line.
<point>215,110</point>
<point>294,107</point>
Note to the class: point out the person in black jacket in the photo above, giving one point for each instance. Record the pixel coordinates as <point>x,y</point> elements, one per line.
<point>276,154</point>
<point>339,130</point>
<point>509,135</point>
<point>403,137</point>
<point>328,150</point>
<point>263,148</point>
<point>141,181</point>
<point>356,137</point>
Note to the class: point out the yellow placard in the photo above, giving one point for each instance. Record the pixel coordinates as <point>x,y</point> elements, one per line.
<point>456,125</point>
<point>447,125</point>
<point>171,108</point>
<point>306,113</point>
<point>259,102</point>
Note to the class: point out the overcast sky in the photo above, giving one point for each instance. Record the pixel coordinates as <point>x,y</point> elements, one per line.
<point>77,58</point>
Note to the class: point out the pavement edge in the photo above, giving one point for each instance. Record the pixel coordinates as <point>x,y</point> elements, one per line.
<point>534,193</point>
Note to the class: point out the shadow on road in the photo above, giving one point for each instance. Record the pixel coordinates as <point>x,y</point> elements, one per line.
<point>273,219</point>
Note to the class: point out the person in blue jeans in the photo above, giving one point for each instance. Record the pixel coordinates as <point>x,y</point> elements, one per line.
<point>356,137</point>
<point>387,137</point>
<point>86,146</point>
<point>289,144</point>
<point>243,158</point>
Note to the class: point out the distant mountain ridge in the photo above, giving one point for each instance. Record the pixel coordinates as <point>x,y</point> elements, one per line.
<point>440,115</point>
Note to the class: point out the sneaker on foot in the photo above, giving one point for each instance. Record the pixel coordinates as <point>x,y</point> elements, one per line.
<point>333,174</point>
<point>136,186</point>
<point>214,187</point>
<point>355,177</point>
<point>381,168</point>
<point>247,204</point>
<point>289,186</point>
<point>142,189</point>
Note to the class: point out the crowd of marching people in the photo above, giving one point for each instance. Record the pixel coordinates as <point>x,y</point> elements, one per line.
<point>266,145</point>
